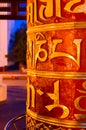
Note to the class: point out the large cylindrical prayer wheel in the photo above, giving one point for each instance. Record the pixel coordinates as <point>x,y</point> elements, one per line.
<point>56,65</point>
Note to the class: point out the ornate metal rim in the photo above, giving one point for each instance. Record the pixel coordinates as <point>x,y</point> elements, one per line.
<point>61,75</point>
<point>56,122</point>
<point>57,26</point>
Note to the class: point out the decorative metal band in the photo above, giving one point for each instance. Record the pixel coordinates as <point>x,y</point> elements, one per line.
<point>57,26</point>
<point>61,75</point>
<point>56,122</point>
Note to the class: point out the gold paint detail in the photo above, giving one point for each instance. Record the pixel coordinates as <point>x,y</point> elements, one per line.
<point>80,116</point>
<point>81,8</point>
<point>77,42</point>
<point>77,103</point>
<point>46,9</point>
<point>84,86</point>
<point>32,15</point>
<point>30,12</point>
<point>57,26</point>
<point>56,99</point>
<point>63,54</point>
<point>49,9</point>
<point>35,15</point>
<point>70,4</point>
<point>60,128</point>
<point>55,121</point>
<point>40,92</point>
<point>58,8</point>
<point>35,48</point>
<point>54,74</point>
<point>39,48</point>
<point>31,95</point>
<point>30,52</point>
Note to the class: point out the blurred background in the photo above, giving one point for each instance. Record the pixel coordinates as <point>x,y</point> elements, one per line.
<point>12,44</point>
<point>12,64</point>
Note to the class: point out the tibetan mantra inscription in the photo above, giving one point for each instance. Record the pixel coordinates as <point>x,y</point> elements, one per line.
<point>56,65</point>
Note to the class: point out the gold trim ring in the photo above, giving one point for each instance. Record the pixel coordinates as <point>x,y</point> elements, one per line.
<point>57,26</point>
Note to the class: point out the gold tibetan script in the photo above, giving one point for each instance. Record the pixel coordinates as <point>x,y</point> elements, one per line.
<point>35,48</point>
<point>48,7</point>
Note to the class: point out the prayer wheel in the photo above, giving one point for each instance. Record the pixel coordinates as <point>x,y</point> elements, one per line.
<point>56,65</point>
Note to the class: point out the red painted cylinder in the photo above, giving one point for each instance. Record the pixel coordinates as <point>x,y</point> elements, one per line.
<point>56,65</point>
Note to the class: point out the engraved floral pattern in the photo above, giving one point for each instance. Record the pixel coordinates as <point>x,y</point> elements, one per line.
<point>37,125</point>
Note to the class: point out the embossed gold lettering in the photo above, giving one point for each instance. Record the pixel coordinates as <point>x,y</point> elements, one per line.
<point>40,50</point>
<point>56,97</point>
<point>59,54</point>
<point>50,8</point>
<point>30,15</point>
<point>30,51</point>
<point>31,95</point>
<point>58,8</point>
<point>70,4</point>
<point>80,8</point>
<point>77,102</point>
<point>77,42</point>
<point>46,9</point>
<point>36,11</point>
<point>55,43</point>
